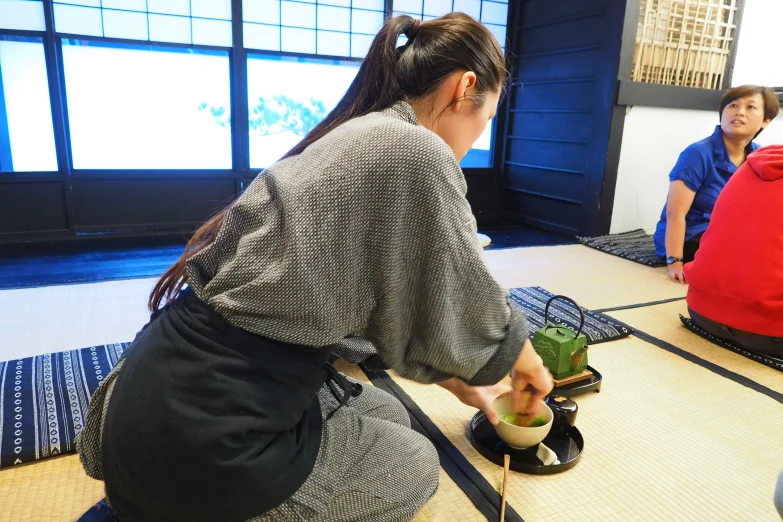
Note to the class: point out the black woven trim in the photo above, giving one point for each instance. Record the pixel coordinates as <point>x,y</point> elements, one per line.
<point>462,472</point>
<point>639,305</point>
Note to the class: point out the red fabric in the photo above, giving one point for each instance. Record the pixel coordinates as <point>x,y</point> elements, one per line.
<point>737,276</point>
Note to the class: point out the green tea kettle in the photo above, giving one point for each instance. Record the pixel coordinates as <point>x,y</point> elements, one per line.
<point>563,351</point>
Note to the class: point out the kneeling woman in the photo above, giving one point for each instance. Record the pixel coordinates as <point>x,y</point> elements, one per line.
<point>704,168</point>
<point>225,409</point>
<point>736,282</point>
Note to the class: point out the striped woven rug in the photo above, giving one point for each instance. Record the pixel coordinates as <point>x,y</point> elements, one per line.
<point>636,245</point>
<point>767,360</point>
<point>598,328</point>
<point>44,401</point>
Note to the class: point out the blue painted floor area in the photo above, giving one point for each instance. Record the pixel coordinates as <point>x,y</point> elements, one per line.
<point>32,265</point>
<point>27,266</point>
<point>524,237</point>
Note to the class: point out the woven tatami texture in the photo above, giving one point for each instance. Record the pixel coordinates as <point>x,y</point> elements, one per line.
<point>663,322</point>
<point>594,279</point>
<point>665,440</point>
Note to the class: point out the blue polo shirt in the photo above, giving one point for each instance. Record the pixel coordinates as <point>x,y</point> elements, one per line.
<point>705,168</point>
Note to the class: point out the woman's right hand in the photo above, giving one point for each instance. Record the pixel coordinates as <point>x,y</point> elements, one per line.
<point>529,372</point>
<point>676,273</point>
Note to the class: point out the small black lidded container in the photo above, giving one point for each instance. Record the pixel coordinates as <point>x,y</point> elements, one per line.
<point>564,410</point>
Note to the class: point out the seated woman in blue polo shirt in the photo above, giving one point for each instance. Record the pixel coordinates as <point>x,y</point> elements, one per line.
<point>704,168</point>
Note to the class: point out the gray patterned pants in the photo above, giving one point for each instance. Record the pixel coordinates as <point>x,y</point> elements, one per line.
<point>372,467</point>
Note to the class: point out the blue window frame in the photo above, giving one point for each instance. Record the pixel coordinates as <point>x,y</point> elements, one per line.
<point>147,107</point>
<point>26,132</point>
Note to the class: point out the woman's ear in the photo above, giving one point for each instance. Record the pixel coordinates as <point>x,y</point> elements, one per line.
<point>766,122</point>
<point>466,84</point>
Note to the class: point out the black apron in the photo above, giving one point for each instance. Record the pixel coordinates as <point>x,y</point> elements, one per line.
<point>208,422</point>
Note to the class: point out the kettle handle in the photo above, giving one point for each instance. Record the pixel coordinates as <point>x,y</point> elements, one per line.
<point>581,313</point>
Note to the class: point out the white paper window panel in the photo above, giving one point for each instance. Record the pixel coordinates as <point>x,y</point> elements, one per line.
<point>218,9</point>
<point>494,13</point>
<point>125,24</point>
<point>126,5</point>
<point>360,44</point>
<point>366,22</point>
<point>334,18</point>
<point>469,7</point>
<point>400,13</point>
<point>165,28</point>
<point>334,44</point>
<point>409,6</point>
<point>78,20</point>
<point>295,40</point>
<point>339,3</point>
<point>172,7</point>
<point>88,3</point>
<point>266,37</point>
<point>261,11</point>
<point>23,15</point>
<point>297,14</point>
<point>375,5</point>
<point>212,32</point>
<point>435,8</point>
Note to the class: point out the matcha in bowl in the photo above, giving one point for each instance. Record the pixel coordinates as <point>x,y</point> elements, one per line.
<point>522,431</point>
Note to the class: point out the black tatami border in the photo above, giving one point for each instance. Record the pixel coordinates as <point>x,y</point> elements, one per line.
<point>640,305</point>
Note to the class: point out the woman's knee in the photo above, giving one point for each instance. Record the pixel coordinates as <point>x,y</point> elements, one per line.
<point>779,495</point>
<point>374,402</point>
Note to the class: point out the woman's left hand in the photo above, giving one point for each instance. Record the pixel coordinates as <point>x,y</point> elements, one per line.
<point>480,397</point>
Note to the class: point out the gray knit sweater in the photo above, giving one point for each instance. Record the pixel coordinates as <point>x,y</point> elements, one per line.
<point>366,234</point>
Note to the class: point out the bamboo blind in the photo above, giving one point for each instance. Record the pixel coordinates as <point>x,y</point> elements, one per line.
<point>684,42</point>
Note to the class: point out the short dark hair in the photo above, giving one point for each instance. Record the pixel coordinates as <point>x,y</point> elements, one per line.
<point>771,102</point>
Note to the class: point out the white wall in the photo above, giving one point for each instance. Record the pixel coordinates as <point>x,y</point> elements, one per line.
<point>760,45</point>
<point>653,138</point>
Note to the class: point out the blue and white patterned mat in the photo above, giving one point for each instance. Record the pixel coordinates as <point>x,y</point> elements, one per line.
<point>766,360</point>
<point>636,245</point>
<point>598,328</point>
<point>44,401</point>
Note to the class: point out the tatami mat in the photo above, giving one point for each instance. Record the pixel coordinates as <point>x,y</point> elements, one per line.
<point>594,279</point>
<point>663,322</point>
<point>50,490</point>
<point>58,318</point>
<point>665,440</point>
